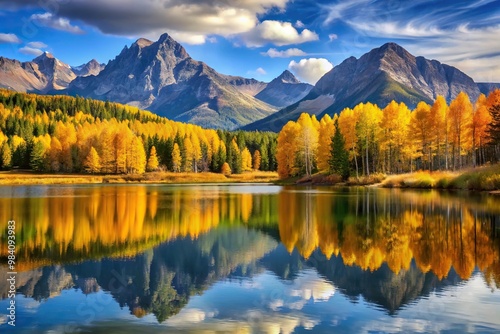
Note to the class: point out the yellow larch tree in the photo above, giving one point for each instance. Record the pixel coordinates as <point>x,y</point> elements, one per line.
<point>246,159</point>
<point>153,163</point>
<point>307,141</point>
<point>92,162</point>
<point>460,115</point>
<point>176,158</point>
<point>326,132</point>
<point>479,128</point>
<point>347,125</point>
<point>421,130</point>
<point>136,160</point>
<point>286,150</point>
<point>439,113</point>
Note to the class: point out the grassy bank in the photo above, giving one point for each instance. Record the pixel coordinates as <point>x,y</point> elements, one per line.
<point>483,178</point>
<point>31,178</point>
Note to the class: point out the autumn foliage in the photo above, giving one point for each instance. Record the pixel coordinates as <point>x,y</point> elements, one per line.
<point>67,134</point>
<point>396,139</point>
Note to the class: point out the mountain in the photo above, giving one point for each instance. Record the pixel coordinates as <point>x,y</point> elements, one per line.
<point>93,67</point>
<point>161,76</point>
<point>379,76</point>
<point>45,73</point>
<point>487,87</point>
<point>245,85</point>
<point>57,73</point>
<point>284,90</point>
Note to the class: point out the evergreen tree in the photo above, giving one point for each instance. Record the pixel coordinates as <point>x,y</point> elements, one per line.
<point>339,161</point>
<point>37,157</point>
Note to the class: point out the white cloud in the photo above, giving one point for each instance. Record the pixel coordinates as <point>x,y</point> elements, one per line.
<point>9,38</point>
<point>310,70</point>
<point>299,24</point>
<point>30,51</point>
<point>189,21</point>
<point>332,37</point>
<point>261,71</point>
<point>293,52</point>
<point>277,33</point>
<point>38,45</point>
<point>58,23</point>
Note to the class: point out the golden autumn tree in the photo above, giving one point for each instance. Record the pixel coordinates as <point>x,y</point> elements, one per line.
<point>153,163</point>
<point>479,128</point>
<point>439,113</point>
<point>307,141</point>
<point>92,163</point>
<point>246,159</point>
<point>421,130</point>
<point>394,126</point>
<point>136,160</point>
<point>347,125</point>
<point>256,160</point>
<point>326,131</point>
<point>460,116</point>
<point>225,169</point>
<point>367,130</point>
<point>176,158</point>
<point>286,149</point>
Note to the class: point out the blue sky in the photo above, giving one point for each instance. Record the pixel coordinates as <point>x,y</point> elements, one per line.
<point>259,38</point>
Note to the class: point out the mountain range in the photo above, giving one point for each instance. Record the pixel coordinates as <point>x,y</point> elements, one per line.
<point>161,76</point>
<point>384,74</point>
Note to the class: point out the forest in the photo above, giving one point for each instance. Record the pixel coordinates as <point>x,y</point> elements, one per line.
<point>394,139</point>
<point>73,134</point>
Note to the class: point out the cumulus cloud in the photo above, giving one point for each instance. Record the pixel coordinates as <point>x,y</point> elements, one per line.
<point>9,38</point>
<point>310,70</point>
<point>54,22</point>
<point>30,51</point>
<point>274,53</point>
<point>190,21</point>
<point>277,33</point>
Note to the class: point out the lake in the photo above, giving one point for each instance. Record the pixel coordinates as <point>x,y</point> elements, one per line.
<point>250,259</point>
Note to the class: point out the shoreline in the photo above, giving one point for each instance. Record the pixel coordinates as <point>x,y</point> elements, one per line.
<point>27,178</point>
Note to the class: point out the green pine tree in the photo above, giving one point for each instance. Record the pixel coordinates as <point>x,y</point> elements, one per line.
<point>339,161</point>
<point>37,157</point>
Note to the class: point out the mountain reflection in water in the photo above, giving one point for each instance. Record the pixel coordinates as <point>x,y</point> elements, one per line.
<point>154,248</point>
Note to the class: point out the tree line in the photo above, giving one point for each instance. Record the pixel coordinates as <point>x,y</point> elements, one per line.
<point>74,134</point>
<point>394,139</point>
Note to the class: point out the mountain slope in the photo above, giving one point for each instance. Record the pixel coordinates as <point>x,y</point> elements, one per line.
<point>487,87</point>
<point>379,76</point>
<point>284,90</point>
<point>91,68</point>
<point>162,77</point>
<point>45,73</point>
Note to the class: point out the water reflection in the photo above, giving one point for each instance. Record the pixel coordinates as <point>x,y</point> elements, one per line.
<point>152,248</point>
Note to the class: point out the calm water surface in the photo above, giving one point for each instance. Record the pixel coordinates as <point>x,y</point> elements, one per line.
<point>250,259</point>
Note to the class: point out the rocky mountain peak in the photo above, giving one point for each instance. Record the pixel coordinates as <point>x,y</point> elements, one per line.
<point>287,77</point>
<point>142,43</point>
<point>44,56</point>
